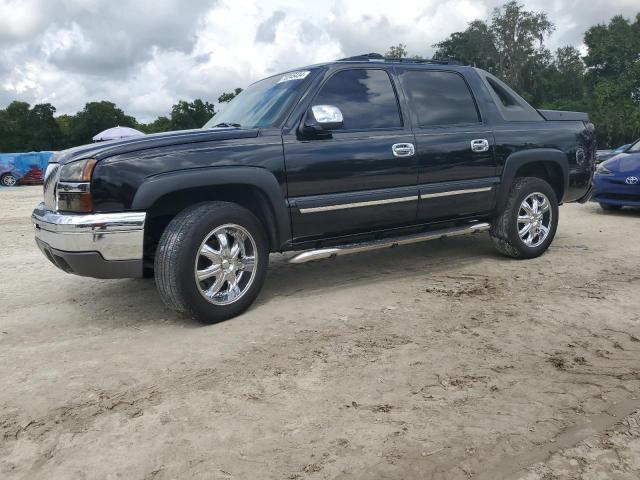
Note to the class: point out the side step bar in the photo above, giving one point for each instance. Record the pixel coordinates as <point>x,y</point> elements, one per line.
<point>330,252</point>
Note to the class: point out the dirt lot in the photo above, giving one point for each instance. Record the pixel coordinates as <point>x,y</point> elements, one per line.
<point>440,360</point>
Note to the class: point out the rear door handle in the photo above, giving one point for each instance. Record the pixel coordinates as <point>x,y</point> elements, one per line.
<point>403,149</point>
<point>479,145</point>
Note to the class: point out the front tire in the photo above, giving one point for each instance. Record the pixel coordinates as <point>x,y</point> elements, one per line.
<point>8,180</point>
<point>211,261</point>
<point>528,222</point>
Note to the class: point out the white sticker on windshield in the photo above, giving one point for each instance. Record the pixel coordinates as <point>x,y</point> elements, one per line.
<point>294,76</point>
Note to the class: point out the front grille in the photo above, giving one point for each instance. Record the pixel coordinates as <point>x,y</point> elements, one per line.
<point>50,181</point>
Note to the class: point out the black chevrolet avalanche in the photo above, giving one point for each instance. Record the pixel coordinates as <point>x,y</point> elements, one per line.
<point>331,159</point>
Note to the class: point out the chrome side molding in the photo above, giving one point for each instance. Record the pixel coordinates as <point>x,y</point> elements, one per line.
<point>347,249</point>
<point>371,203</point>
<point>455,192</point>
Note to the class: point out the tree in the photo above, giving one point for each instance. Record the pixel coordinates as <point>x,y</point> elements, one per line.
<point>45,132</point>
<point>160,124</point>
<point>519,40</point>
<point>14,127</point>
<point>186,115</point>
<point>24,129</point>
<point>94,118</point>
<point>397,51</point>
<point>613,79</point>
<point>64,123</point>
<point>228,96</point>
<point>474,46</point>
<point>563,83</point>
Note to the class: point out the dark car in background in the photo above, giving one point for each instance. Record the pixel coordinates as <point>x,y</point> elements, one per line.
<point>603,155</point>
<point>617,180</point>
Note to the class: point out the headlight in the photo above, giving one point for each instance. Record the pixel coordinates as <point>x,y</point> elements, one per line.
<point>602,170</point>
<point>78,171</point>
<point>74,187</point>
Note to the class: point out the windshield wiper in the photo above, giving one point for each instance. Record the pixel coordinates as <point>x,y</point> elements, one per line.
<point>227,125</point>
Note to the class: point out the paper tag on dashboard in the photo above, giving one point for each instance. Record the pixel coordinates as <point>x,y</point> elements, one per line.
<point>294,76</point>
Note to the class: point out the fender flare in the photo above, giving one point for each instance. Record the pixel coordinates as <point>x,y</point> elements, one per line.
<point>537,155</point>
<point>160,185</point>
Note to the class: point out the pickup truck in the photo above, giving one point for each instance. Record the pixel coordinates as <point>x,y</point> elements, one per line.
<point>357,154</point>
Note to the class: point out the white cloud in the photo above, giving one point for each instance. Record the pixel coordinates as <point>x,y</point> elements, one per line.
<point>147,54</point>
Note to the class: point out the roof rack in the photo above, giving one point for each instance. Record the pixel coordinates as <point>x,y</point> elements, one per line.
<point>376,57</point>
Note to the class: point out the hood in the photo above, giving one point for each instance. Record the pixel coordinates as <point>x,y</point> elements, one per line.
<point>115,147</point>
<point>624,163</point>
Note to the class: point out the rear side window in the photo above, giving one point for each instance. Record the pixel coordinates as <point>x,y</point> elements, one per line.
<point>365,97</point>
<point>439,98</point>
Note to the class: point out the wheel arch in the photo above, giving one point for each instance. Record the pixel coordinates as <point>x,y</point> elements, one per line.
<point>548,164</point>
<point>255,188</point>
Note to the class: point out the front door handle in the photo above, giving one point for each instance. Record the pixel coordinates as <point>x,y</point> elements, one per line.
<point>479,145</point>
<point>403,149</point>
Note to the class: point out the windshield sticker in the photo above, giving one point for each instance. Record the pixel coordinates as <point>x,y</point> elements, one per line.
<point>294,76</point>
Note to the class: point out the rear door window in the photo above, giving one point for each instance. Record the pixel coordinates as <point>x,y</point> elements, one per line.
<point>439,98</point>
<point>366,98</point>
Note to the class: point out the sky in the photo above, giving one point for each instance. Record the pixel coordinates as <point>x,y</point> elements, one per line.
<point>145,55</point>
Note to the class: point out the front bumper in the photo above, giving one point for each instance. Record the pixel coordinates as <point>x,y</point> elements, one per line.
<point>613,190</point>
<point>100,245</point>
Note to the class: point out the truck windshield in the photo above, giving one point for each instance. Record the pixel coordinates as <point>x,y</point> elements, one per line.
<point>264,103</point>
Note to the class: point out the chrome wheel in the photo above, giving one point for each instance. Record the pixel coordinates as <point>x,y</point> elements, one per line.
<point>534,219</point>
<point>9,180</point>
<point>225,264</point>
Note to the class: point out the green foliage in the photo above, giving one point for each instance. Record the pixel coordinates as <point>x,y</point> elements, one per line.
<point>185,115</point>
<point>519,39</point>
<point>475,46</point>
<point>613,79</point>
<point>94,118</point>
<point>23,128</point>
<point>160,124</point>
<point>511,47</point>
<point>228,96</point>
<point>605,83</point>
<point>397,51</point>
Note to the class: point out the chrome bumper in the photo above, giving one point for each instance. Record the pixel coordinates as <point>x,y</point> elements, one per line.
<point>116,236</point>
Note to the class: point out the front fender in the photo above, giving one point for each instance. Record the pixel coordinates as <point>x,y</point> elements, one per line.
<point>163,184</point>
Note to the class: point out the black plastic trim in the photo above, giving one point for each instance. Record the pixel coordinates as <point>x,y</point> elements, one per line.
<point>90,264</point>
<point>535,155</point>
<point>160,185</point>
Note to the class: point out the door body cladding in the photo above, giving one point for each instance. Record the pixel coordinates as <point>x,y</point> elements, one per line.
<point>261,179</point>
<point>452,188</point>
<point>348,199</point>
<point>457,199</point>
<point>353,212</point>
<point>519,159</point>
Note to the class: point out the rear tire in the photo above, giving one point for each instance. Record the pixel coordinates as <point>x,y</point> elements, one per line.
<point>528,222</point>
<point>610,208</point>
<point>211,261</point>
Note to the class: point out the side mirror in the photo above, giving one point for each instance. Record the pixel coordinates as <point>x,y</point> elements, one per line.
<point>320,121</point>
<point>327,117</point>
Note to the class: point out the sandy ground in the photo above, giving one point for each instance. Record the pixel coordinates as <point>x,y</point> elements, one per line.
<point>440,360</point>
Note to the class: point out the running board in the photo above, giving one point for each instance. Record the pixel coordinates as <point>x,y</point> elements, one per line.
<point>347,249</point>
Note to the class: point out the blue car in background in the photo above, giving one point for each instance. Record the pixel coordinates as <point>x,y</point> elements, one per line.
<point>617,180</point>
<point>23,168</point>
